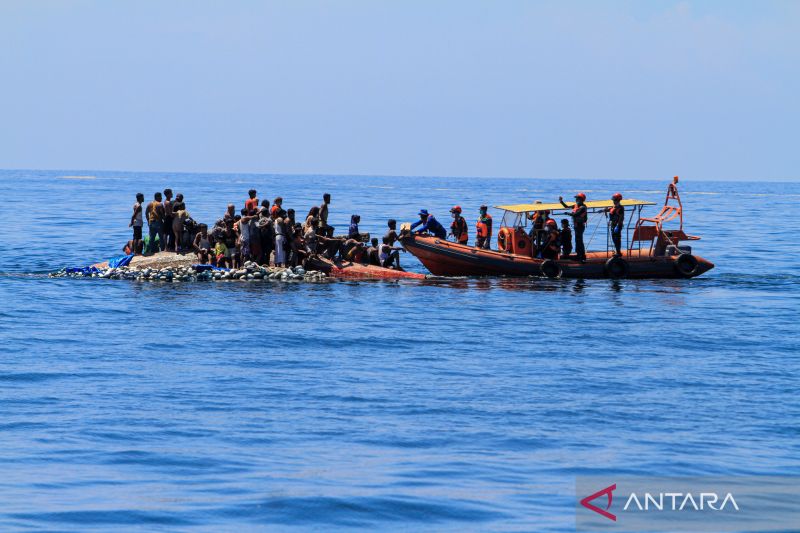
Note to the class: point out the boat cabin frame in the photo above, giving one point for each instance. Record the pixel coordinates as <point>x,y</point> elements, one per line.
<point>644,236</point>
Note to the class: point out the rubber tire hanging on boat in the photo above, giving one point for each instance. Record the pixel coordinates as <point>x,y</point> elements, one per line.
<point>686,265</point>
<point>616,268</point>
<point>550,269</point>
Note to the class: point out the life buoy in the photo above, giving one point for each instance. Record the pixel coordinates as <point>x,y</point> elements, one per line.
<point>550,269</point>
<point>686,265</point>
<point>505,241</point>
<point>616,268</point>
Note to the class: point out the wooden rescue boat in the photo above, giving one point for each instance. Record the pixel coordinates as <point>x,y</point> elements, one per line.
<point>358,271</point>
<point>653,251</point>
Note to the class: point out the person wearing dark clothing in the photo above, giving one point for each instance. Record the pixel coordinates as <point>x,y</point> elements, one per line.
<point>169,235</point>
<point>428,223</point>
<point>566,238</point>
<point>616,221</point>
<point>551,241</point>
<point>352,232</point>
<point>483,228</point>
<point>391,234</point>
<point>458,229</point>
<point>155,222</point>
<point>580,217</point>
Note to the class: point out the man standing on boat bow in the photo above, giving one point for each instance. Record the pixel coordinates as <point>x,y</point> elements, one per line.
<point>580,217</point>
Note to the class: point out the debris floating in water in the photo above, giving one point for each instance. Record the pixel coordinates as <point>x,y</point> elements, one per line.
<point>250,272</point>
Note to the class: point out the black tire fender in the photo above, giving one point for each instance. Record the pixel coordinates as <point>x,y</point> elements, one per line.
<point>550,269</point>
<point>616,268</point>
<point>686,265</point>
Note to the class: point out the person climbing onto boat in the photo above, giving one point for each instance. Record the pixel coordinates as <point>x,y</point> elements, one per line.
<point>389,254</point>
<point>616,221</point>
<point>458,228</point>
<point>324,229</point>
<point>391,234</point>
<point>580,217</point>
<point>429,223</point>
<point>155,221</point>
<point>202,245</point>
<point>566,238</point>
<point>551,242</point>
<point>483,229</point>
<point>352,231</point>
<point>137,223</point>
<point>251,204</point>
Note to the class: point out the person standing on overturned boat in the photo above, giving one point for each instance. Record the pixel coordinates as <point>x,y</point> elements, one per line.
<point>566,238</point>
<point>580,217</point>
<point>429,223</point>
<point>155,223</point>
<point>616,220</point>
<point>169,236</point>
<point>483,229</point>
<point>137,223</point>
<point>458,228</point>
<point>324,229</point>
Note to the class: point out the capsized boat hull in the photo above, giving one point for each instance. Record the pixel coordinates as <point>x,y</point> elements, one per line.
<point>444,258</point>
<point>358,271</point>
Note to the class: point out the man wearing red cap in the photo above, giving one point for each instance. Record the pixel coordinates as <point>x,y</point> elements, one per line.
<point>616,220</point>
<point>580,217</point>
<point>458,229</point>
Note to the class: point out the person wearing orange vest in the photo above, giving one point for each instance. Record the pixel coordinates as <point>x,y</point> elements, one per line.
<point>616,221</point>
<point>580,217</point>
<point>484,229</point>
<point>458,229</point>
<point>551,241</point>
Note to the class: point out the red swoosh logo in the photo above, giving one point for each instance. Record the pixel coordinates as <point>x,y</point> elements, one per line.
<point>592,507</point>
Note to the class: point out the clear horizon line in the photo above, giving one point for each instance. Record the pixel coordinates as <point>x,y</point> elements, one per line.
<point>362,175</point>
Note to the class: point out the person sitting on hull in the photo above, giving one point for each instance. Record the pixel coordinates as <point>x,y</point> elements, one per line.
<point>428,222</point>
<point>580,217</point>
<point>458,228</point>
<point>616,221</point>
<point>388,255</point>
<point>483,229</point>
<point>551,241</point>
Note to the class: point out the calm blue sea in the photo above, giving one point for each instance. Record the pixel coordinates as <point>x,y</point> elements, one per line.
<point>469,404</point>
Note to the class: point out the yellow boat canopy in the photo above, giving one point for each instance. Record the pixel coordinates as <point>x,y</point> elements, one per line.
<point>596,204</point>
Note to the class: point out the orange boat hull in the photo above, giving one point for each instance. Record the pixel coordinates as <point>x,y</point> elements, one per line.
<point>359,271</point>
<point>444,258</point>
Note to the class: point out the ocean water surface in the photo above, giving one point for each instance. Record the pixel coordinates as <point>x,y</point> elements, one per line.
<point>464,404</point>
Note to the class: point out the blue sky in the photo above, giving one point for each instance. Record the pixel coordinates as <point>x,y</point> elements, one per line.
<point>623,89</point>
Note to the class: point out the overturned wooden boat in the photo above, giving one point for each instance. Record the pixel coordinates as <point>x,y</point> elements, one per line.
<point>345,269</point>
<point>653,250</point>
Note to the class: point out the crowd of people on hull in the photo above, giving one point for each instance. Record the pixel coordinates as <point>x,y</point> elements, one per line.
<point>261,231</point>
<point>266,233</point>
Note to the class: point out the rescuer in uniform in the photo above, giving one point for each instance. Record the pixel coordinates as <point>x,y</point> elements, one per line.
<point>483,229</point>
<point>616,220</point>
<point>458,228</point>
<point>429,223</point>
<point>580,217</point>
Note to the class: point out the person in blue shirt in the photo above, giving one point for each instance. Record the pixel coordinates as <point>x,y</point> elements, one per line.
<point>428,222</point>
